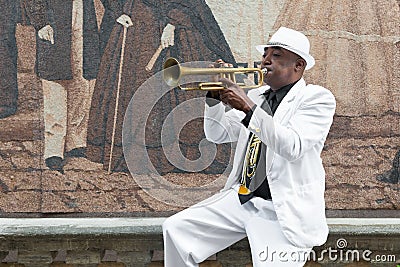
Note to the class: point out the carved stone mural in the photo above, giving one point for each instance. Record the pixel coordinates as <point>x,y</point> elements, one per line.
<point>356,45</point>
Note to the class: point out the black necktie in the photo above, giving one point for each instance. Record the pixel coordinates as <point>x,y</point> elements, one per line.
<point>272,101</point>
<point>253,174</point>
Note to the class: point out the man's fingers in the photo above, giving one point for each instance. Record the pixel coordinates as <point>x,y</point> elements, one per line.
<point>226,82</point>
<point>222,64</point>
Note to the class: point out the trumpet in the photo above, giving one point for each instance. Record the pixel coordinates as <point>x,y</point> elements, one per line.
<point>173,72</point>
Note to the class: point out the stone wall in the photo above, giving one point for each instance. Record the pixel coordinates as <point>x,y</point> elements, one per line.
<point>357,49</point>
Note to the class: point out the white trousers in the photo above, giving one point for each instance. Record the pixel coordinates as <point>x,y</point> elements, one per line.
<point>194,234</point>
<point>66,103</point>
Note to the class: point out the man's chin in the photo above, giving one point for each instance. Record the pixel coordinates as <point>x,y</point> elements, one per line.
<point>267,78</point>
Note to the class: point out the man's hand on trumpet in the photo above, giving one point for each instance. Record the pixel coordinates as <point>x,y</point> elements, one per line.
<point>217,64</point>
<point>233,95</point>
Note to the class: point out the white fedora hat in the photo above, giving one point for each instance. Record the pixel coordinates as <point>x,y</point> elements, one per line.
<point>293,41</point>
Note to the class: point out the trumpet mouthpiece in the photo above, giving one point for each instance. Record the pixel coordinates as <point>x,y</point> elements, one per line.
<point>264,71</point>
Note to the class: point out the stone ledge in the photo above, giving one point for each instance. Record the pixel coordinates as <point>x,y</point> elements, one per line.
<point>136,241</point>
<point>79,226</point>
<point>364,226</point>
<point>143,226</point>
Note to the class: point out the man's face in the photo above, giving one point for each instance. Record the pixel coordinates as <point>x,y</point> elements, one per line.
<point>281,64</point>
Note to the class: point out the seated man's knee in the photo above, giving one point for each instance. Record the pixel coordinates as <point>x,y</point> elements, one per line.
<point>171,224</point>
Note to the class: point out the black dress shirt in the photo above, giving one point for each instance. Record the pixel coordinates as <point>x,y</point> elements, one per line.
<point>274,98</point>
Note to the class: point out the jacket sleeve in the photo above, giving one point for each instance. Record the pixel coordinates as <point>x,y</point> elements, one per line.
<point>307,126</point>
<point>37,11</point>
<point>222,126</point>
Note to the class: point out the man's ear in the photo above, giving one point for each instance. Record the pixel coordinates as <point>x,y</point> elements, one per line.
<point>300,64</point>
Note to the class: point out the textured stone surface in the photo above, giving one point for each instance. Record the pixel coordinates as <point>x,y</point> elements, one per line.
<point>357,49</point>
<point>252,25</point>
<point>354,40</point>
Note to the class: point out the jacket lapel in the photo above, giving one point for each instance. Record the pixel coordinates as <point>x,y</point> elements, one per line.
<point>280,114</point>
<point>286,104</point>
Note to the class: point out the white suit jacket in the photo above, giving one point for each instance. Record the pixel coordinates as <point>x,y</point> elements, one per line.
<point>294,138</point>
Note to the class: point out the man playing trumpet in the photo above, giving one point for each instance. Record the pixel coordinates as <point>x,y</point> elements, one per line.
<point>274,194</point>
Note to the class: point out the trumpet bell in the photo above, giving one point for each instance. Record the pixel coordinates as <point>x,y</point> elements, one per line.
<point>171,72</point>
